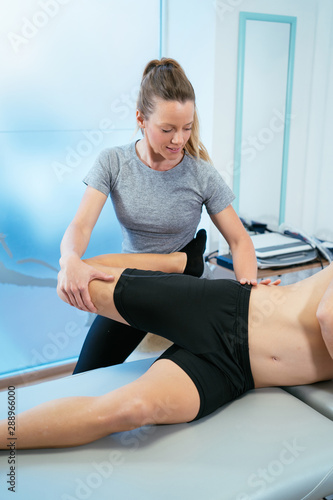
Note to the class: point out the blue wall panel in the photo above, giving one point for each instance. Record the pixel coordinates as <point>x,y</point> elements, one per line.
<point>70,76</point>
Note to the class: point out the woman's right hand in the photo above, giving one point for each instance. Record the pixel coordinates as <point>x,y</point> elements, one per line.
<point>73,280</point>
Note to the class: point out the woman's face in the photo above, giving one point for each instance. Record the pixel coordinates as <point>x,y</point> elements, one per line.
<point>168,128</point>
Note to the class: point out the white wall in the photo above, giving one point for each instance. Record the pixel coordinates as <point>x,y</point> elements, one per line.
<point>317,198</point>
<point>310,171</point>
<point>189,37</point>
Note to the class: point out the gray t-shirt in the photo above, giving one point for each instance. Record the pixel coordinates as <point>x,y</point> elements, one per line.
<point>158,211</point>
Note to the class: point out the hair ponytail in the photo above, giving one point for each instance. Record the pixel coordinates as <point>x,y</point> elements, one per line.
<point>165,79</point>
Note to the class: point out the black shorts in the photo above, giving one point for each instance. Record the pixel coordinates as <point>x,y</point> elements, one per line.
<point>206,319</point>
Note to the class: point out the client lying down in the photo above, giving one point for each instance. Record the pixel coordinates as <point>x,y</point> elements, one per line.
<point>228,338</point>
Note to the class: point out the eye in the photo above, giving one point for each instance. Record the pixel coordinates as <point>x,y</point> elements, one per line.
<point>166,131</point>
<point>189,129</point>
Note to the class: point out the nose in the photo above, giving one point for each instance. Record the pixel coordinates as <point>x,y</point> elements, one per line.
<point>177,138</point>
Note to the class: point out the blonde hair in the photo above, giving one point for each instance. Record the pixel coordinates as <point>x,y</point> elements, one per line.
<point>165,79</point>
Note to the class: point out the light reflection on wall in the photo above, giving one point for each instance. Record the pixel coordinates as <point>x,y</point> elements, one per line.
<point>67,92</point>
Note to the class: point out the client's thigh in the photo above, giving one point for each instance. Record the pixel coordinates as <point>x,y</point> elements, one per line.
<point>169,394</point>
<point>176,307</point>
<point>102,293</point>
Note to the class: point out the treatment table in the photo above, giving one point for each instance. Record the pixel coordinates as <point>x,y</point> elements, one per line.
<point>319,396</point>
<point>266,445</point>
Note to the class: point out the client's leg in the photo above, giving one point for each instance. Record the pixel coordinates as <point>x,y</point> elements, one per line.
<point>103,295</point>
<point>166,263</point>
<point>109,342</point>
<point>165,394</point>
<point>169,305</point>
<point>189,260</point>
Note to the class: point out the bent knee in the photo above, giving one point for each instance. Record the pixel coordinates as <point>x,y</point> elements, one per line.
<point>140,411</point>
<point>148,410</point>
<point>128,415</point>
<point>143,410</point>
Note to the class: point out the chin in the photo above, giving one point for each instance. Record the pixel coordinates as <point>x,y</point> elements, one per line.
<point>175,154</point>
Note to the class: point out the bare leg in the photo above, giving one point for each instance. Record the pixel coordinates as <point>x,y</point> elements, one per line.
<point>102,292</point>
<point>163,395</point>
<point>189,260</point>
<point>166,263</point>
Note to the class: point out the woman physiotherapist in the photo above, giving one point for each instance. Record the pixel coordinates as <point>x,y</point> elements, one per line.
<point>158,186</point>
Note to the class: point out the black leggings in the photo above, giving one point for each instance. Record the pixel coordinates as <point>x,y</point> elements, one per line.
<point>107,343</point>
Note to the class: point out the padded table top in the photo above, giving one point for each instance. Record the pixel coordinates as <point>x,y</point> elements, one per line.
<point>319,396</point>
<point>267,445</point>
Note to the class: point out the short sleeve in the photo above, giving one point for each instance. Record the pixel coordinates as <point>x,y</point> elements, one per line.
<point>100,175</point>
<point>218,195</point>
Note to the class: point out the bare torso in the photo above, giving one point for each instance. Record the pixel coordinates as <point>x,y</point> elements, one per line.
<point>285,341</point>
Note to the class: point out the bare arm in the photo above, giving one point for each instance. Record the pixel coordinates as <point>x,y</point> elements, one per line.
<point>241,246</point>
<point>325,317</point>
<point>75,275</point>
<point>77,235</point>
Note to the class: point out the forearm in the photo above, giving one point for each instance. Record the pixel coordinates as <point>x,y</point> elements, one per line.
<point>244,259</point>
<point>74,242</point>
<point>240,243</point>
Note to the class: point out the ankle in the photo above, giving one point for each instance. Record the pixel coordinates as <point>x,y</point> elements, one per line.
<point>194,251</point>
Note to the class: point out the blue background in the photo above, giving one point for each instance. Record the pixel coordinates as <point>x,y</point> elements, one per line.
<point>70,76</point>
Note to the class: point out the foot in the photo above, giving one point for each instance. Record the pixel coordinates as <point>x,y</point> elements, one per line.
<point>194,251</point>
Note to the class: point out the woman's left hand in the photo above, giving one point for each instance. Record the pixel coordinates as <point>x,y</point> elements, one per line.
<point>245,281</point>
<point>267,281</point>
<point>254,282</point>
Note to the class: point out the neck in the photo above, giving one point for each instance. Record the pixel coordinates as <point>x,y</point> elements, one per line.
<point>153,160</point>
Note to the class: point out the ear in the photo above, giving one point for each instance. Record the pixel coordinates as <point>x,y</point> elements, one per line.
<point>140,119</point>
